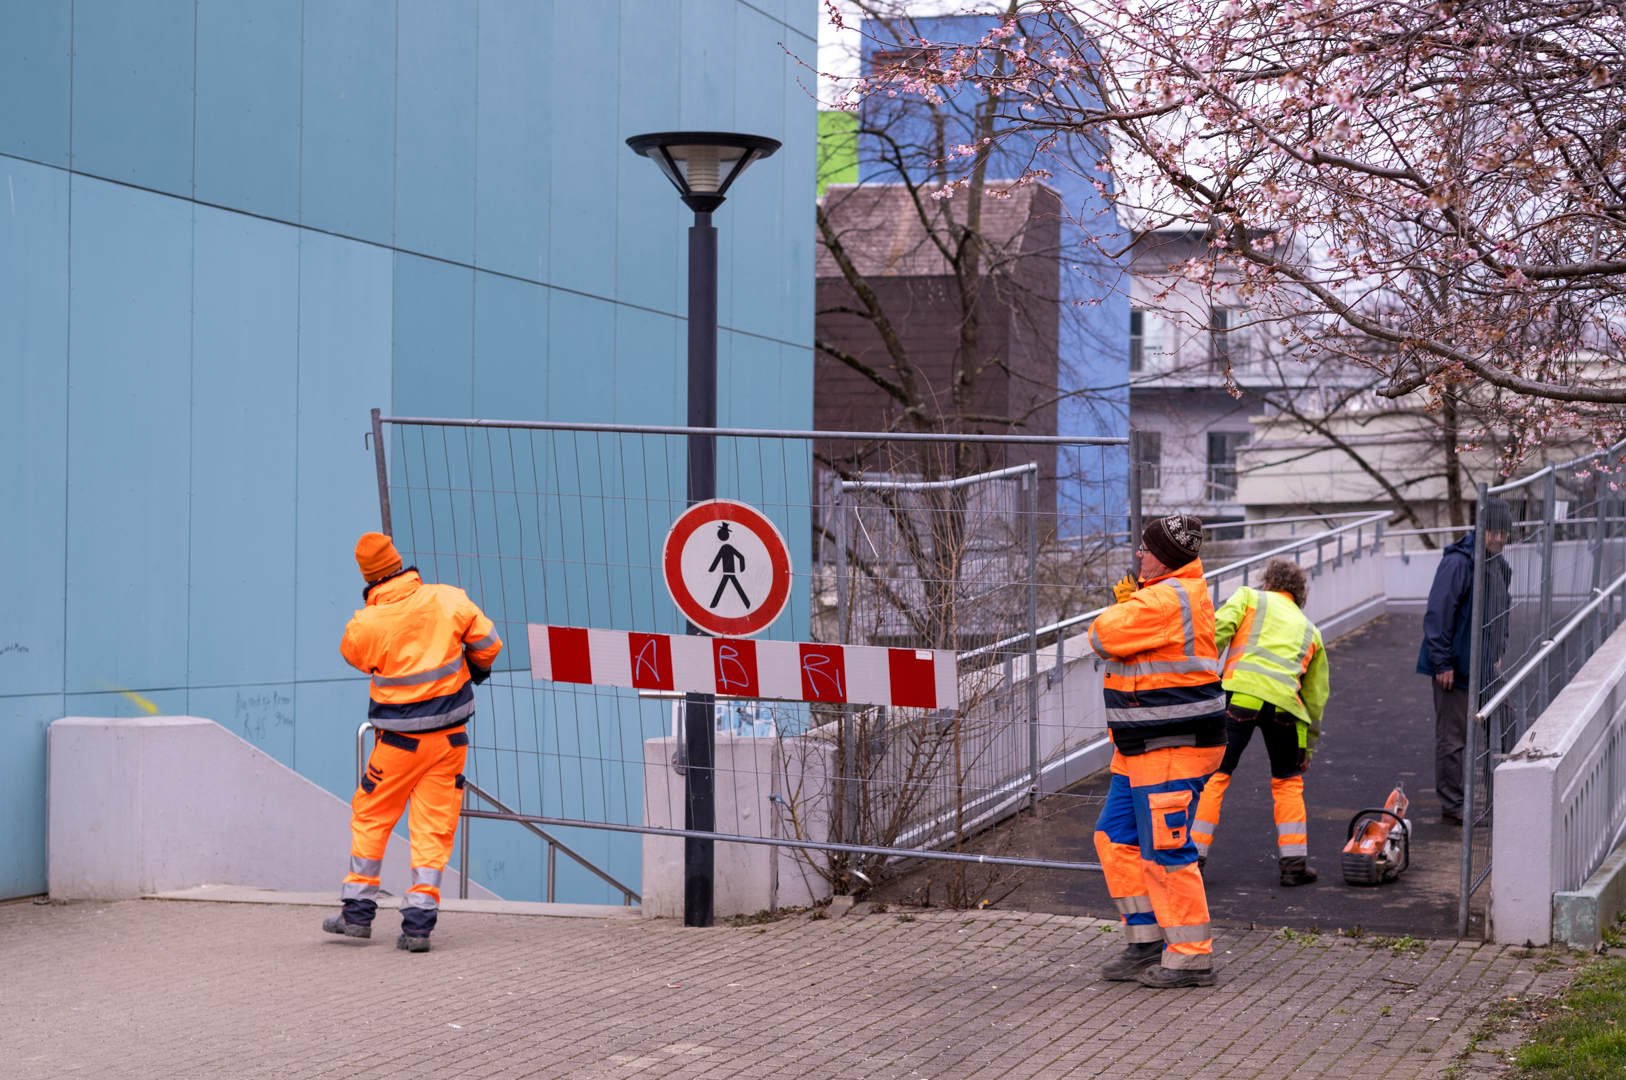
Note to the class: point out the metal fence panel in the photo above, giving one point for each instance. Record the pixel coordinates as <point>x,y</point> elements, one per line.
<point>1568,539</point>
<point>957,543</point>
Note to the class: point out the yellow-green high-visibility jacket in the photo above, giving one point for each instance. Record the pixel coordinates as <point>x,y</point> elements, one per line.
<point>1273,653</point>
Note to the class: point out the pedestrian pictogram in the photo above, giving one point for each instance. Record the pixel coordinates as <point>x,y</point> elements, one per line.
<point>727,556</point>
<point>727,568</point>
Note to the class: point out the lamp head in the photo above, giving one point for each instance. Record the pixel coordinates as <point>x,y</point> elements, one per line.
<point>702,164</point>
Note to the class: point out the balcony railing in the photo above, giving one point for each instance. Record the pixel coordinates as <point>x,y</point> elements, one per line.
<point>1222,483</point>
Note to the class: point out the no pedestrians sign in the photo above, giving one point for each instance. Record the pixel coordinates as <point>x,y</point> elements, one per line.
<point>727,568</point>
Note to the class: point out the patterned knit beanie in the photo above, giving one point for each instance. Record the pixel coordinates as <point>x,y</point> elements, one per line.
<point>1174,540</point>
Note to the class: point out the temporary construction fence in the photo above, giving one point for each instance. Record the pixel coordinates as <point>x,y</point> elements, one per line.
<point>1542,607</point>
<point>921,547</point>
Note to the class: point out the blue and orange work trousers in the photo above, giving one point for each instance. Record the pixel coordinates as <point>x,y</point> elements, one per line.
<point>421,775</point>
<point>1144,841</point>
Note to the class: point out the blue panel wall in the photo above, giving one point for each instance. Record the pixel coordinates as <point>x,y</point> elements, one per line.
<point>514,150</point>
<point>435,128</point>
<point>345,302</point>
<point>129,439</point>
<point>273,216</point>
<point>35,64</point>
<point>511,348</point>
<point>245,337</point>
<point>434,337</point>
<point>33,425</point>
<point>248,105</point>
<point>132,92</point>
<point>23,721</point>
<point>347,147</point>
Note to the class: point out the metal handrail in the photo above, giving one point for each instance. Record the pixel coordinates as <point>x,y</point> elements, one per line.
<point>628,897</point>
<point>761,433</point>
<point>1547,648</point>
<point>938,485</point>
<point>1231,568</point>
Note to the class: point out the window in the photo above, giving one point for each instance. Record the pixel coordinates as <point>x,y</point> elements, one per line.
<point>1222,448</point>
<point>1219,339</point>
<point>1151,461</point>
<point>1137,339</point>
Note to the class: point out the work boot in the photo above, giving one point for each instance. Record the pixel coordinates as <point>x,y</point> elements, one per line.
<point>1296,871</point>
<point>336,924</point>
<point>413,942</point>
<point>1122,968</point>
<point>1161,978</point>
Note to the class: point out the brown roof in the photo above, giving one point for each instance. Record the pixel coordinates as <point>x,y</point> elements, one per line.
<point>879,225</point>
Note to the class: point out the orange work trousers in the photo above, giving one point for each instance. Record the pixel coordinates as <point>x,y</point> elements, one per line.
<point>422,776</point>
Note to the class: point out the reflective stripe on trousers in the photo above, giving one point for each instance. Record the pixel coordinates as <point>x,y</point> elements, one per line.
<point>425,891</point>
<point>361,883</point>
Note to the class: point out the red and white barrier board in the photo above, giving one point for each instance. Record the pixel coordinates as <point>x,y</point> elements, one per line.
<point>743,667</point>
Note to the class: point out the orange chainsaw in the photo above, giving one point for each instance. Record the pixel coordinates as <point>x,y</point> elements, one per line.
<point>1379,847</point>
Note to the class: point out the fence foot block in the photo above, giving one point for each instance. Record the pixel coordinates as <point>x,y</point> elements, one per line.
<point>1579,917</point>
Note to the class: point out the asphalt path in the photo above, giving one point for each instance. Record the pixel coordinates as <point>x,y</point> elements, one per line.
<point>1379,730</point>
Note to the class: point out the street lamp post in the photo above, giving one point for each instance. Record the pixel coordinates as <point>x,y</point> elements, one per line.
<point>701,165</point>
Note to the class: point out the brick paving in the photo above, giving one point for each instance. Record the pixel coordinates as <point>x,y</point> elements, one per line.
<point>177,989</point>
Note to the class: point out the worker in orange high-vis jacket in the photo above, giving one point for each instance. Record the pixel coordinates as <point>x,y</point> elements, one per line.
<point>1166,717</point>
<point>426,647</point>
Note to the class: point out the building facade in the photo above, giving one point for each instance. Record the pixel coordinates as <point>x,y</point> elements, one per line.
<point>234,228</point>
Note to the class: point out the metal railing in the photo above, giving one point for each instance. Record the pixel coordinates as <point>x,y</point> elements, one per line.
<point>1335,537</point>
<point>502,813</point>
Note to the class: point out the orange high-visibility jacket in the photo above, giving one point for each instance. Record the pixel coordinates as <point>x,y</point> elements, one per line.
<point>1162,684</point>
<point>412,639</point>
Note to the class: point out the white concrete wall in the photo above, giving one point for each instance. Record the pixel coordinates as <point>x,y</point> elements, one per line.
<point>1407,579</point>
<point>751,773</point>
<point>1561,762</point>
<point>157,803</point>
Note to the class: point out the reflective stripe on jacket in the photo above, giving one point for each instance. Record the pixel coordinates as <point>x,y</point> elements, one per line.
<point>1274,653</point>
<point>416,641</point>
<point>1162,683</point>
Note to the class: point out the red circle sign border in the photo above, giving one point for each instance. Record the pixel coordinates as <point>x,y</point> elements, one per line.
<point>745,514</point>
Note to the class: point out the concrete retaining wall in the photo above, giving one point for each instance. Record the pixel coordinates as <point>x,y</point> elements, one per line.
<point>159,803</point>
<point>1555,790</point>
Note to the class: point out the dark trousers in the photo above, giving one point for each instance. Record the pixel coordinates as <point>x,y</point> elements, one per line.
<point>1281,740</point>
<point>1450,740</point>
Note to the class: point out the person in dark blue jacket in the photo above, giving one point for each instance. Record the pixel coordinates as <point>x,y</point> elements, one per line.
<point>1447,643</point>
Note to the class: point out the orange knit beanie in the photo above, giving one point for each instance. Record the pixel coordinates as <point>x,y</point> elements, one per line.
<point>376,555</point>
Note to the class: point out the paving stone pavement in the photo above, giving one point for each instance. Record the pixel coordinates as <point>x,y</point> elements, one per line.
<point>179,989</point>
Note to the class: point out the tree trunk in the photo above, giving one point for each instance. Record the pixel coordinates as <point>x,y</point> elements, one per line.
<point>1453,466</point>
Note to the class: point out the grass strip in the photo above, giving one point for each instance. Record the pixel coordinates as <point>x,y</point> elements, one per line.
<point>1581,1034</point>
